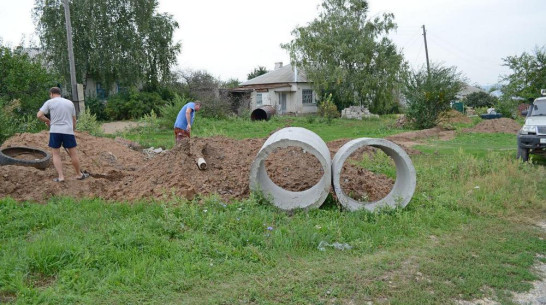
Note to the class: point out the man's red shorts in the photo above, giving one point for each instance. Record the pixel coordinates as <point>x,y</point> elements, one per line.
<point>179,134</point>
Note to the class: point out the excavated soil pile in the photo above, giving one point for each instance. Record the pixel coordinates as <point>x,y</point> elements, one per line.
<point>124,174</point>
<point>119,171</point>
<point>454,116</point>
<point>502,125</point>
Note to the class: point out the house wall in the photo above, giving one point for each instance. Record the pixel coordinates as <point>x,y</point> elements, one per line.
<point>294,103</point>
<point>306,108</point>
<point>91,88</point>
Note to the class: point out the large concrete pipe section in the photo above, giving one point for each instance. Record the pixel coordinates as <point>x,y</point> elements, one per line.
<point>263,113</point>
<point>284,199</point>
<point>403,188</point>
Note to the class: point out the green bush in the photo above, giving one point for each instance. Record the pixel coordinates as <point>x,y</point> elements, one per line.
<point>151,123</point>
<point>88,122</point>
<point>169,111</point>
<point>142,103</point>
<point>429,93</point>
<point>480,110</point>
<point>215,108</point>
<point>12,123</point>
<point>133,104</point>
<point>327,108</point>
<point>508,107</point>
<point>480,99</point>
<point>97,108</point>
<point>117,107</point>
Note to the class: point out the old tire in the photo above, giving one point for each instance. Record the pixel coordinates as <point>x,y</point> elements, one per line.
<point>25,156</point>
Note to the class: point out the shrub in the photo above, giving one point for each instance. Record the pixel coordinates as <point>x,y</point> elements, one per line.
<point>117,107</point>
<point>327,109</point>
<point>480,99</point>
<point>97,108</point>
<point>215,108</point>
<point>12,123</point>
<point>508,107</point>
<point>169,111</point>
<point>141,103</point>
<point>428,94</point>
<point>151,123</point>
<point>88,122</point>
<point>133,104</point>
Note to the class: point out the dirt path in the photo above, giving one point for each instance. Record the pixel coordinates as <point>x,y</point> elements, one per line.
<point>113,127</point>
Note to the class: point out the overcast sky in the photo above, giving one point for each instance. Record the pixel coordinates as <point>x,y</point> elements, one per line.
<point>230,38</point>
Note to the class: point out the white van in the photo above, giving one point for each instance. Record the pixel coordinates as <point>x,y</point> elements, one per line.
<point>532,136</point>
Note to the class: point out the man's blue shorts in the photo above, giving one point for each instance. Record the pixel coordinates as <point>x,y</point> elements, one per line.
<point>67,140</point>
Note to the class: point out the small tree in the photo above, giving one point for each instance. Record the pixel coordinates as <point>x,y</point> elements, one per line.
<point>430,94</point>
<point>257,72</point>
<point>327,108</point>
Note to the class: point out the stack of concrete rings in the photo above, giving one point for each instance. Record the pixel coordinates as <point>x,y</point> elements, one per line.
<point>400,195</point>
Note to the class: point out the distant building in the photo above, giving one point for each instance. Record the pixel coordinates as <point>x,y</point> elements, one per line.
<point>285,89</point>
<point>466,90</point>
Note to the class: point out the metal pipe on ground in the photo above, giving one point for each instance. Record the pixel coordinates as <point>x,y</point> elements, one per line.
<point>263,113</point>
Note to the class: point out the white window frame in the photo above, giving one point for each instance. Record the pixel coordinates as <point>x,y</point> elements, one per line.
<point>259,99</point>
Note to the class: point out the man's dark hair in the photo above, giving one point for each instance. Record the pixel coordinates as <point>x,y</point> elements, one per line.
<point>55,90</point>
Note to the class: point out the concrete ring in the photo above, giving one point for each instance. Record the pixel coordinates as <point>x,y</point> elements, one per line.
<point>285,199</point>
<point>403,188</point>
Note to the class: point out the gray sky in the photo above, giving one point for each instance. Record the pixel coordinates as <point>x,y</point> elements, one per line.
<point>230,38</point>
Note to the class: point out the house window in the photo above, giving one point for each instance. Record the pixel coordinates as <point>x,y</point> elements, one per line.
<point>101,93</point>
<point>121,89</point>
<point>258,99</point>
<point>307,96</point>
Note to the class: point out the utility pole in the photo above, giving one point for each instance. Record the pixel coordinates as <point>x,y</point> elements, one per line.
<point>75,98</point>
<point>426,49</point>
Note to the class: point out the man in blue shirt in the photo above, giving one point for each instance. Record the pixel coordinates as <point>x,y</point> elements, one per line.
<point>184,120</point>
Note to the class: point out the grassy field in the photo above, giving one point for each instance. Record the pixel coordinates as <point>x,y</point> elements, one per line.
<point>238,128</point>
<point>469,232</point>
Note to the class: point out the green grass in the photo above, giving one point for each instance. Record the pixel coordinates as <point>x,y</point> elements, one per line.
<point>468,233</point>
<point>240,128</point>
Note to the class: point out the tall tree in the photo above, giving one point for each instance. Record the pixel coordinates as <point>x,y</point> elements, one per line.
<point>261,70</point>
<point>528,74</point>
<point>344,52</point>
<point>122,41</point>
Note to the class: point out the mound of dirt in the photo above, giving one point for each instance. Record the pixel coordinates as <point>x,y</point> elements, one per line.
<point>453,116</point>
<point>408,139</point>
<point>502,125</point>
<point>124,174</point>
